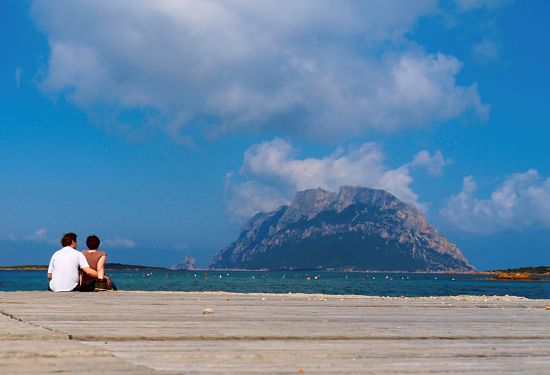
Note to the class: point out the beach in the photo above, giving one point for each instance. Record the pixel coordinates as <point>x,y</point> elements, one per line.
<point>237,333</point>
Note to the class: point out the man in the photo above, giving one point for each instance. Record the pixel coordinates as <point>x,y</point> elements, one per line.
<point>63,271</point>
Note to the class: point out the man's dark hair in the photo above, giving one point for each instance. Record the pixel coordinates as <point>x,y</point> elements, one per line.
<point>68,239</point>
<point>92,242</point>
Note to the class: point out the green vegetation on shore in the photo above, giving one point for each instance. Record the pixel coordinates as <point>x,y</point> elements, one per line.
<point>108,266</point>
<point>518,274</point>
<point>26,267</point>
<point>534,270</point>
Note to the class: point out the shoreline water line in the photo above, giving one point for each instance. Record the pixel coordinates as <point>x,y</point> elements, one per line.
<point>329,283</point>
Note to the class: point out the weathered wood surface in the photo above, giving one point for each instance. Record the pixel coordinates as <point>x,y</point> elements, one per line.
<point>149,332</point>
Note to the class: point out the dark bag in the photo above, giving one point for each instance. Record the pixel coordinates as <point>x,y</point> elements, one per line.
<point>101,285</point>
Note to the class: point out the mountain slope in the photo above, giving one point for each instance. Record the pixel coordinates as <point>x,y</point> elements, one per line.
<point>357,228</point>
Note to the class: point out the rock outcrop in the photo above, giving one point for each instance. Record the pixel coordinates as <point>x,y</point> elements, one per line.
<point>355,229</point>
<point>188,263</point>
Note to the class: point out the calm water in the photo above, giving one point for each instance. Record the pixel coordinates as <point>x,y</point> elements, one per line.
<point>378,284</point>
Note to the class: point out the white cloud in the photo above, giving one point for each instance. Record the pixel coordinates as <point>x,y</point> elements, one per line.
<point>247,198</point>
<point>488,48</point>
<point>39,235</point>
<point>119,242</point>
<point>521,202</point>
<point>316,68</point>
<point>434,164</point>
<point>272,173</point>
<point>18,74</point>
<point>486,51</point>
<point>468,5</point>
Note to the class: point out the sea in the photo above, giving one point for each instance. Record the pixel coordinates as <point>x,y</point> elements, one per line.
<point>336,283</point>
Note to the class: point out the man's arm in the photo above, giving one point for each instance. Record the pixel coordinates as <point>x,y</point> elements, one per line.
<point>85,267</point>
<point>50,269</point>
<point>90,272</point>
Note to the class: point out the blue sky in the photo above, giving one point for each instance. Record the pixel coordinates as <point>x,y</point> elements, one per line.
<point>161,126</point>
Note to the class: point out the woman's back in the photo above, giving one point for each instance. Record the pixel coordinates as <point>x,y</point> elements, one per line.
<point>92,256</point>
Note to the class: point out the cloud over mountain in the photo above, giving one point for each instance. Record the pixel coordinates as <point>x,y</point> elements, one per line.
<point>314,68</point>
<point>272,173</point>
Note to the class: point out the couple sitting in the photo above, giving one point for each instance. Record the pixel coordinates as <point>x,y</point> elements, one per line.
<point>71,270</point>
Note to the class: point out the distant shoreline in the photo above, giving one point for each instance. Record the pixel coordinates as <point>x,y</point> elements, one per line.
<point>538,270</point>
<point>108,266</point>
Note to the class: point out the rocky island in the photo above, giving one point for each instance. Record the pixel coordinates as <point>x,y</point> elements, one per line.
<point>356,228</point>
<point>188,263</point>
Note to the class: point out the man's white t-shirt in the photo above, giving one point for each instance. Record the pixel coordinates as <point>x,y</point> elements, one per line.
<point>64,267</point>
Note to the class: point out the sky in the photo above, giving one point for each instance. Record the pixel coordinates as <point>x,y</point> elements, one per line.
<point>162,126</point>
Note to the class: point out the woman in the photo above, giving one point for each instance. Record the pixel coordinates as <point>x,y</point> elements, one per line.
<point>96,259</point>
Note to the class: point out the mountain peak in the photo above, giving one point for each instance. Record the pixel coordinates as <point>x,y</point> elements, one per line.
<point>307,204</point>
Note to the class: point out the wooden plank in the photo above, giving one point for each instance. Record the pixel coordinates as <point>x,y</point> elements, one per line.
<point>36,356</point>
<point>266,333</point>
<point>342,357</point>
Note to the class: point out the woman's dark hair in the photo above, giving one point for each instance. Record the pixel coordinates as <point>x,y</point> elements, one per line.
<point>68,239</point>
<point>92,242</point>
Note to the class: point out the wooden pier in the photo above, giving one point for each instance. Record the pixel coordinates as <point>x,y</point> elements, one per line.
<point>230,333</point>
